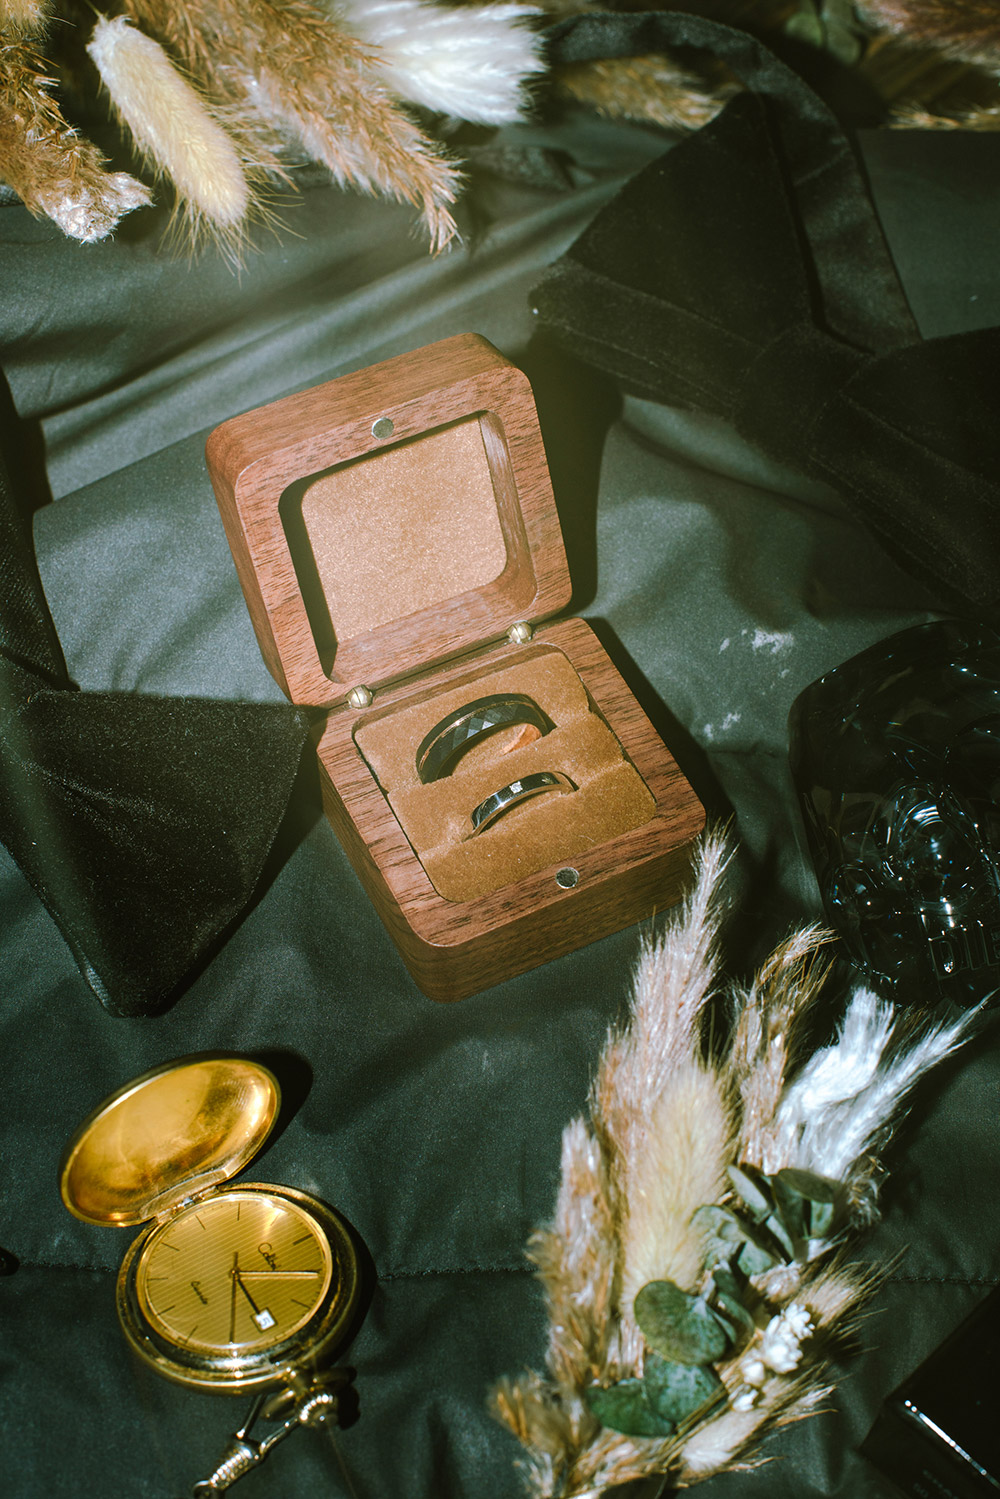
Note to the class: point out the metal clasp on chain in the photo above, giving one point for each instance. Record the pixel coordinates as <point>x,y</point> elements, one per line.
<point>306,1404</point>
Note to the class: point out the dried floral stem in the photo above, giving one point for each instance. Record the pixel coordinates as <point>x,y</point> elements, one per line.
<point>472,62</point>
<point>580,1286</point>
<point>660,1111</point>
<point>645,1203</point>
<point>766,1034</point>
<point>293,71</point>
<point>25,16</point>
<point>56,172</point>
<point>913,117</point>
<point>655,90</point>
<point>969,29</point>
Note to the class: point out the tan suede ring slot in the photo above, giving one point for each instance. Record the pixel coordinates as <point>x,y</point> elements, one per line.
<point>611,798</point>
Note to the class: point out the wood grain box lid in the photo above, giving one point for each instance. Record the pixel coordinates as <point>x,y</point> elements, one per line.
<point>390,519</point>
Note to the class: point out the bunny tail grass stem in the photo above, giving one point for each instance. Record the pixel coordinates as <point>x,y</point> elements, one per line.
<point>653,1091</point>
<point>171,124</point>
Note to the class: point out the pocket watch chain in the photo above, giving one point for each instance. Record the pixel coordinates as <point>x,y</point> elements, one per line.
<point>309,1404</point>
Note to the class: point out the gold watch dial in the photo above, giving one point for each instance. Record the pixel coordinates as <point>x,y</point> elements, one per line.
<point>235,1273</point>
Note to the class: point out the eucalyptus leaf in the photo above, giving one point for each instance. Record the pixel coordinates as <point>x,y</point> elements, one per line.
<point>730,1238</point>
<point>753,1188</point>
<point>679,1326</point>
<point>763,1247</point>
<point>676,1391</point>
<point>845,36</point>
<point>625,1407</point>
<point>809,1184</point>
<point>821,1216</point>
<point>723,1233</point>
<point>754,1259</point>
<point>806,26</point>
<point>829,24</point>
<point>719,1223</point>
<point>847,46</point>
<point>728,1290</point>
<point>842,13</point>
<point>792,1208</point>
<point>808,1202</point>
<point>775,1226</point>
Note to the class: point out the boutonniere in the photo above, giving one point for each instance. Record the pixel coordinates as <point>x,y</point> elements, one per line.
<point>696,1271</point>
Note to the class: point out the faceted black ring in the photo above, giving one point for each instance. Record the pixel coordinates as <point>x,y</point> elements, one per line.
<point>518,791</point>
<point>447,740</point>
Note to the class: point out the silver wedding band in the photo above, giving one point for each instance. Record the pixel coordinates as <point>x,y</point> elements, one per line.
<point>518,791</point>
<point>448,739</point>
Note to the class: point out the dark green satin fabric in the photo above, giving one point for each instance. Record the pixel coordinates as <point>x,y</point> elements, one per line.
<point>721,583</point>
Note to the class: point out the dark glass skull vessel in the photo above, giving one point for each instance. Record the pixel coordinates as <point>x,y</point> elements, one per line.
<point>896,757</point>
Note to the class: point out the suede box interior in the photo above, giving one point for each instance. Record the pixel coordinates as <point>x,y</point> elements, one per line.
<point>381,538</point>
<point>610,796</point>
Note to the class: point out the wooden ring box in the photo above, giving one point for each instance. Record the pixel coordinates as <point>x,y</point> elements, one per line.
<point>389,529</point>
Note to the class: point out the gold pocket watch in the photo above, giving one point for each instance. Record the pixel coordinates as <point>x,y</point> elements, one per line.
<point>232,1286</point>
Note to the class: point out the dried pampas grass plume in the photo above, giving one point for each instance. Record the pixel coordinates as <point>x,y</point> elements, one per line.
<point>694,1271</point>
<point>655,90</point>
<point>22,15</point>
<point>966,29</point>
<point>473,62</point>
<point>171,125</point>
<point>292,75</point>
<point>56,173</point>
<point>663,1114</point>
<point>767,1034</point>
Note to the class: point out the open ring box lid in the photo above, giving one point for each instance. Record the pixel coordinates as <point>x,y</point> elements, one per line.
<point>390,519</point>
<point>389,529</point>
<point>168,1136</point>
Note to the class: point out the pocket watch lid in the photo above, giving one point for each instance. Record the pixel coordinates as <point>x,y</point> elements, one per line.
<point>174,1132</point>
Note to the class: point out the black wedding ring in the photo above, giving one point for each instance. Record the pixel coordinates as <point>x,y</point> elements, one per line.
<point>518,791</point>
<point>452,736</point>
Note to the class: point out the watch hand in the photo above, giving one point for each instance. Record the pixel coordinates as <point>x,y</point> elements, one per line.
<point>262,1316</point>
<point>238,1281</point>
<point>232,1305</point>
<point>284,1274</point>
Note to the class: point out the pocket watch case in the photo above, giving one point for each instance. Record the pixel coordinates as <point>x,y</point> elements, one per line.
<point>397,542</point>
<point>230,1286</point>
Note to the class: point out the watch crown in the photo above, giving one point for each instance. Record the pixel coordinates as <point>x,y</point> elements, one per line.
<point>317,1408</point>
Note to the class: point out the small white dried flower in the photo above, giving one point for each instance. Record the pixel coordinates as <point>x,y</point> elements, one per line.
<point>780,1281</point>
<point>780,1346</point>
<point>753,1371</point>
<point>798,1319</point>
<point>745,1399</point>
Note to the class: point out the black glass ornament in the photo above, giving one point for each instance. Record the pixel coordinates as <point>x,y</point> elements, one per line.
<point>896,758</point>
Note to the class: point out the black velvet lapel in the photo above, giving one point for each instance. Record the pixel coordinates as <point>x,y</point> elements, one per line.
<point>745,273</point>
<point>142,823</point>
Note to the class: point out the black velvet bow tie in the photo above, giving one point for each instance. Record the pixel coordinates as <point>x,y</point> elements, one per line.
<point>745,273</point>
<point>142,823</point>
